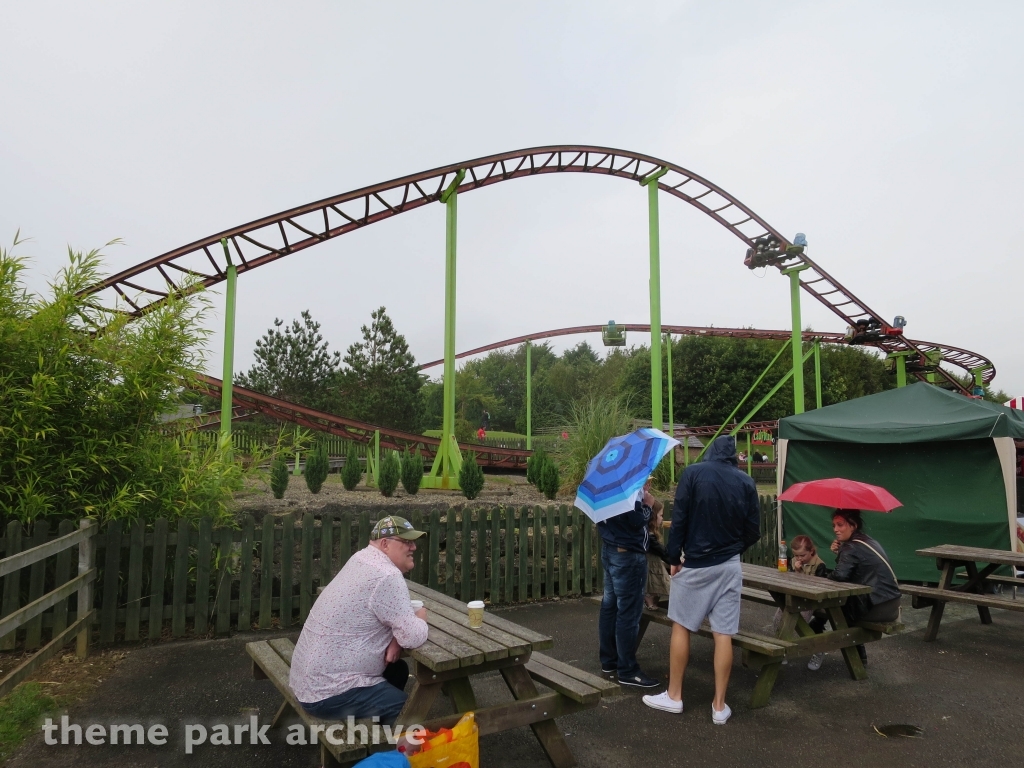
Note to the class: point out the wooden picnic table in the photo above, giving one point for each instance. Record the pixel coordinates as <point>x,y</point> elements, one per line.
<point>453,653</point>
<point>949,558</point>
<point>793,593</point>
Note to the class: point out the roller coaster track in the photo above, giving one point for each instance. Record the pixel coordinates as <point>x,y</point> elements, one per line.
<point>247,402</point>
<point>679,330</point>
<point>203,263</point>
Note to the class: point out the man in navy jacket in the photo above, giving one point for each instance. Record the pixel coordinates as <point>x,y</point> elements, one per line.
<point>624,558</point>
<point>715,518</point>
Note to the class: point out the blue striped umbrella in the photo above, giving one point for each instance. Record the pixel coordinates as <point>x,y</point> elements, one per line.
<point>619,471</point>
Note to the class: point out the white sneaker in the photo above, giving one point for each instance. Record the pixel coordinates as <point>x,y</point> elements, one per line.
<point>720,718</point>
<point>814,663</point>
<point>664,703</point>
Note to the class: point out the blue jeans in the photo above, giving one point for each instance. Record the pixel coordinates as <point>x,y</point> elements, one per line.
<point>385,699</point>
<point>625,574</point>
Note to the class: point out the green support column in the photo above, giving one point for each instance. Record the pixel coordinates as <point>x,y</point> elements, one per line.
<point>750,470</point>
<point>817,373</point>
<point>798,367</point>
<point>651,182</point>
<point>529,398</point>
<point>229,350</point>
<point>901,371</point>
<point>671,424</point>
<point>444,473</point>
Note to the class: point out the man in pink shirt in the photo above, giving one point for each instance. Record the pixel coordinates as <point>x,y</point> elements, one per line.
<point>346,661</point>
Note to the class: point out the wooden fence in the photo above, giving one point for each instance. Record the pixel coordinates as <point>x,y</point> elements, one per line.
<point>33,564</point>
<point>184,579</point>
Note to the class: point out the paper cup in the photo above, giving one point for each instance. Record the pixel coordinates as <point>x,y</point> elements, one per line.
<point>417,604</point>
<point>476,613</point>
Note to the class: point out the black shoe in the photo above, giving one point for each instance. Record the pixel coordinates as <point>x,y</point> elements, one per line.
<point>863,653</point>
<point>611,671</point>
<point>640,680</point>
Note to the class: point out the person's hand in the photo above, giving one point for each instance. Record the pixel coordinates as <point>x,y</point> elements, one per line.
<point>648,499</point>
<point>421,613</point>
<point>393,652</point>
<point>835,547</point>
<point>674,569</point>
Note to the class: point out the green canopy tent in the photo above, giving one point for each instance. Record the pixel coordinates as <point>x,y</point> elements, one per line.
<point>949,458</point>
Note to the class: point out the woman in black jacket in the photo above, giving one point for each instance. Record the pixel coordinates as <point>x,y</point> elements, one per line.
<point>860,559</point>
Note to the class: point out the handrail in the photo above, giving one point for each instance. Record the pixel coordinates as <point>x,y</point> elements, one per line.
<point>43,551</point>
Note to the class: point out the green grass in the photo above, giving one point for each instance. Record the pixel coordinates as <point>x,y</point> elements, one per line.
<point>20,713</point>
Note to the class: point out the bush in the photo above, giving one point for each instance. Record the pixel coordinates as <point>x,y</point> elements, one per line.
<point>412,472</point>
<point>318,464</point>
<point>471,477</point>
<point>390,471</point>
<point>534,463</point>
<point>352,472</point>
<point>82,393</point>
<point>279,477</point>
<point>549,481</point>
<point>662,475</point>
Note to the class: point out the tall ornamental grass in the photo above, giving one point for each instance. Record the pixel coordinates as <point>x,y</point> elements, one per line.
<point>594,421</point>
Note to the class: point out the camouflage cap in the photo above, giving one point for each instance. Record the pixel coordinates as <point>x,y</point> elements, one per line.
<point>394,526</point>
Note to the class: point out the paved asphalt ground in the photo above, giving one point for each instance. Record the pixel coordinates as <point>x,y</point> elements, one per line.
<point>966,690</point>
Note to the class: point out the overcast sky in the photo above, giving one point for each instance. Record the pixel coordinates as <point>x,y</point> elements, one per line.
<point>889,132</point>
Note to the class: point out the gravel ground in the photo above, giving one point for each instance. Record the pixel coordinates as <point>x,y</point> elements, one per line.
<point>506,490</point>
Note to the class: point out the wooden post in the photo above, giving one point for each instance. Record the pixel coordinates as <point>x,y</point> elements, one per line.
<point>86,562</point>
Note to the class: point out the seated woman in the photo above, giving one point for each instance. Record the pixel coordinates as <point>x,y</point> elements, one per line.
<point>861,560</point>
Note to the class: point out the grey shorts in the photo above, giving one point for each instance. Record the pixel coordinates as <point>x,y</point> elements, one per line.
<point>708,593</point>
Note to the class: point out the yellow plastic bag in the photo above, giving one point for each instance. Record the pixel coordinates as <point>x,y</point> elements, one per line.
<point>455,748</point>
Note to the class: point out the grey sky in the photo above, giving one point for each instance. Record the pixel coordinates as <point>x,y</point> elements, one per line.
<point>888,132</point>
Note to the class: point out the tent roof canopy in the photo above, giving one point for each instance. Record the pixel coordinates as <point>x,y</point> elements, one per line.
<point>914,414</point>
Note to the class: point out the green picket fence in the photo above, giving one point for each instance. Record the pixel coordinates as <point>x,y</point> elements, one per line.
<point>192,580</point>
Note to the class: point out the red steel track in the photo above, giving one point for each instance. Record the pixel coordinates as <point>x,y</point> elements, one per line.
<point>678,330</point>
<point>273,237</point>
<point>247,401</point>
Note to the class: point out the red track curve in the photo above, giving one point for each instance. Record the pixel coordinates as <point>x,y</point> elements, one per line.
<point>265,240</point>
<point>679,330</point>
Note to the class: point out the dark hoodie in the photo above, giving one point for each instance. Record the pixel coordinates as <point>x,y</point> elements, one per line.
<point>716,513</point>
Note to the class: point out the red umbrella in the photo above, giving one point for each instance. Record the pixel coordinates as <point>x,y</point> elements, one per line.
<point>840,493</point>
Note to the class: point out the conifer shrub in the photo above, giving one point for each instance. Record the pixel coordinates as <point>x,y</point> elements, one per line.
<point>317,466</point>
<point>390,472</point>
<point>549,481</point>
<point>352,471</point>
<point>534,463</point>
<point>412,472</point>
<point>279,477</point>
<point>471,477</point>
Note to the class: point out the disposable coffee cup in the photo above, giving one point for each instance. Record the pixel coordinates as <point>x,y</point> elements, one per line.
<point>476,613</point>
<point>417,604</point>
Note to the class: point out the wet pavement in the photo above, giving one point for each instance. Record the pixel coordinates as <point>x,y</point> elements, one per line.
<point>966,690</point>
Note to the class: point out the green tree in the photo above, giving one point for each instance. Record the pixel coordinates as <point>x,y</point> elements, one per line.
<point>318,466</point>
<point>471,477</point>
<point>279,475</point>
<point>295,364</point>
<point>412,472</point>
<point>380,379</point>
<point>390,473</point>
<point>352,472</point>
<point>83,395</point>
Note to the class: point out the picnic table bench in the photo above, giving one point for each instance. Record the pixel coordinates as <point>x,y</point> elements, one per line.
<point>793,593</point>
<point>453,653</point>
<point>949,558</point>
